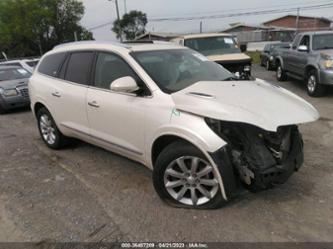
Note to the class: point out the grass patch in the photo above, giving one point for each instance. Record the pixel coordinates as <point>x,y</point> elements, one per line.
<point>255,56</point>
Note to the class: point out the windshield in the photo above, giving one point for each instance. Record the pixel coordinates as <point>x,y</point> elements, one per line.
<point>174,70</point>
<point>13,74</point>
<point>213,45</point>
<point>324,41</point>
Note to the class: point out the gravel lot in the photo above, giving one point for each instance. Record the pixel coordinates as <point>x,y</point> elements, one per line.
<point>84,193</point>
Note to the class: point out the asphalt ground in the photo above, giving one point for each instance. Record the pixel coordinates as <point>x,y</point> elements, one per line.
<point>84,193</point>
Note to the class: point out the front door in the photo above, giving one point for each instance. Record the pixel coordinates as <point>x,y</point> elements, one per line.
<point>116,119</point>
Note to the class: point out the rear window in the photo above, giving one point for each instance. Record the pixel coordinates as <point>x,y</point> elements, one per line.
<point>79,67</point>
<point>13,74</point>
<point>51,64</point>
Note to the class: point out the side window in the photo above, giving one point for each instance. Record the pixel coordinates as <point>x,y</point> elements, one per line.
<point>79,67</point>
<point>110,67</point>
<point>50,65</point>
<point>305,41</point>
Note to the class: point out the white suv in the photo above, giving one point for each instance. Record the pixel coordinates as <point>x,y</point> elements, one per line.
<point>204,134</point>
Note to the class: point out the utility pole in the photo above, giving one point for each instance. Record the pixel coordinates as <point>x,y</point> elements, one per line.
<point>118,18</point>
<point>125,6</point>
<point>200,26</point>
<point>297,20</point>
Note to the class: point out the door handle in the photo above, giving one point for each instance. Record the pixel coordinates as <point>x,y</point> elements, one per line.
<point>56,94</point>
<point>93,104</point>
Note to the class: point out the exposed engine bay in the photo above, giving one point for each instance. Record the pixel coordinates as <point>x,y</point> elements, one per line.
<point>261,158</point>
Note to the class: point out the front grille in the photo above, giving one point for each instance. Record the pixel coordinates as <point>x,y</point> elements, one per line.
<point>24,92</point>
<point>234,67</point>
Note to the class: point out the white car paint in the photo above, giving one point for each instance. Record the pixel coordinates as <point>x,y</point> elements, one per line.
<point>129,125</point>
<point>258,103</point>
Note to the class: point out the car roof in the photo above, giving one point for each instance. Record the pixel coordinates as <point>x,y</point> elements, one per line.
<point>204,35</point>
<point>86,45</point>
<point>322,32</point>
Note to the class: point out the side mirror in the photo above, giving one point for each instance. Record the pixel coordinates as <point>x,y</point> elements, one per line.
<point>243,48</point>
<point>303,48</point>
<point>125,84</point>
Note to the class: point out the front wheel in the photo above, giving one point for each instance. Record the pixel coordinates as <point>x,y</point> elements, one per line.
<point>183,177</point>
<point>49,131</point>
<point>280,73</point>
<point>314,88</point>
<point>268,65</point>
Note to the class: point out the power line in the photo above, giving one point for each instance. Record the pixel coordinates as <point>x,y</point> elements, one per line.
<point>253,8</point>
<point>220,16</point>
<point>262,12</point>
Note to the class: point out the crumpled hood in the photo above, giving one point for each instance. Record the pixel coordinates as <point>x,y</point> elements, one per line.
<point>229,57</point>
<point>254,102</point>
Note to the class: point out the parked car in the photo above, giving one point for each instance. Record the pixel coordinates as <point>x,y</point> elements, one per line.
<point>168,107</point>
<point>13,88</point>
<point>267,57</point>
<point>310,59</point>
<point>221,48</point>
<point>27,64</point>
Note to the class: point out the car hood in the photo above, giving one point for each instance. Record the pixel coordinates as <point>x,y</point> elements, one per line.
<point>10,84</point>
<point>254,102</point>
<point>229,57</point>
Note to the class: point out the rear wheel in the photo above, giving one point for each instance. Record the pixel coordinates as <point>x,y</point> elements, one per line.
<point>314,88</point>
<point>183,177</point>
<point>49,131</point>
<point>280,73</point>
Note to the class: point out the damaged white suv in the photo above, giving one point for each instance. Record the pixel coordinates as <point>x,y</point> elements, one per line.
<point>204,134</point>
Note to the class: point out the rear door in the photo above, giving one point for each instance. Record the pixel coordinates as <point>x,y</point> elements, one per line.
<point>70,92</point>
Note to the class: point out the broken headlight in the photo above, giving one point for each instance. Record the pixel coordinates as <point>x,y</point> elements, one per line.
<point>257,155</point>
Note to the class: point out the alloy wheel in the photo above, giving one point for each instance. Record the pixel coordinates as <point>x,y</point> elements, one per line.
<point>312,83</point>
<point>279,72</point>
<point>268,66</point>
<point>191,181</point>
<point>47,129</point>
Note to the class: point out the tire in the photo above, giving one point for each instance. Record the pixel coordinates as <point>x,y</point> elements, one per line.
<point>314,88</point>
<point>280,73</point>
<point>49,131</point>
<point>268,66</point>
<point>167,171</point>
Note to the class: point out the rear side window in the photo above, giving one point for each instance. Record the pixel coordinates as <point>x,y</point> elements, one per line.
<point>79,67</point>
<point>51,64</point>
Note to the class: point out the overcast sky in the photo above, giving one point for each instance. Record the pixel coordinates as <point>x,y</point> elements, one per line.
<point>103,11</point>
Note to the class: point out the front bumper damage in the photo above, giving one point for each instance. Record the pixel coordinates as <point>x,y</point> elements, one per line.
<point>254,158</point>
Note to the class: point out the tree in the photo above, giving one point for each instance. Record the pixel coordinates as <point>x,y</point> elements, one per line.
<point>32,27</point>
<point>132,25</point>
